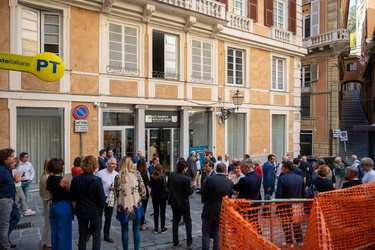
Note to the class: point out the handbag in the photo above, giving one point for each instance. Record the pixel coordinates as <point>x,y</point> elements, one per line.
<point>141,186</point>
<point>111,199</point>
<point>165,193</point>
<point>312,191</point>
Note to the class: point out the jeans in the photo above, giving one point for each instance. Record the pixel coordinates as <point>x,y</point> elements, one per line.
<point>144,202</point>
<point>61,225</point>
<point>46,236</point>
<point>108,211</point>
<point>94,228</point>
<point>25,187</point>
<point>125,234</point>
<point>210,227</point>
<point>20,198</point>
<point>176,220</point>
<point>15,217</point>
<point>6,206</point>
<point>159,206</point>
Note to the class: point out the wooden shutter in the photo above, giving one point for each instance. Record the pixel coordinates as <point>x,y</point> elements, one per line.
<point>224,2</point>
<point>268,13</point>
<point>315,7</point>
<point>314,72</point>
<point>253,10</point>
<point>292,16</point>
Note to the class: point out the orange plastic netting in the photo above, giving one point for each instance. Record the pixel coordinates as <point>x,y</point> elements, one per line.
<point>341,219</point>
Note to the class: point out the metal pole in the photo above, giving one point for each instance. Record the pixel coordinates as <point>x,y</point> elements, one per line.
<point>80,144</point>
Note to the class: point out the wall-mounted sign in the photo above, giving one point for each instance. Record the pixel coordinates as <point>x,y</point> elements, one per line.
<point>46,66</point>
<point>81,126</point>
<point>81,112</point>
<point>162,119</point>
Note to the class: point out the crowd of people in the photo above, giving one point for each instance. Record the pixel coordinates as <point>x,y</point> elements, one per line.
<point>101,184</point>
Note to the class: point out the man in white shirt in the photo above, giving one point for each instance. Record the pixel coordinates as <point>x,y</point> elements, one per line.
<point>219,159</point>
<point>367,163</point>
<point>227,160</point>
<point>108,178</point>
<point>26,170</point>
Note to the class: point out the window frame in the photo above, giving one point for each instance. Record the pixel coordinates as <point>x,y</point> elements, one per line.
<point>201,79</point>
<point>304,107</point>
<point>285,73</point>
<point>285,16</point>
<point>244,11</point>
<point>235,50</point>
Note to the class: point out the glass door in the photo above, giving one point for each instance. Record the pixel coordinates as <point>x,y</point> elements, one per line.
<point>164,144</point>
<point>120,140</point>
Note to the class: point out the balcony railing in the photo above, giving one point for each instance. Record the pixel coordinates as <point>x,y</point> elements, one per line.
<point>207,7</point>
<point>281,35</point>
<point>340,35</point>
<point>239,22</point>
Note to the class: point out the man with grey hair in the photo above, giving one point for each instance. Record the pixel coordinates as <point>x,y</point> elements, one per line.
<point>192,166</point>
<point>351,173</point>
<point>108,178</point>
<point>367,163</point>
<point>357,164</point>
<point>285,158</point>
<point>248,186</point>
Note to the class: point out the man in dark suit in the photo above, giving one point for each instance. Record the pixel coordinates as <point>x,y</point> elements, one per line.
<point>101,159</point>
<point>215,188</point>
<point>269,176</point>
<point>208,170</point>
<point>290,185</point>
<point>192,166</point>
<point>307,170</point>
<point>179,186</point>
<point>110,154</point>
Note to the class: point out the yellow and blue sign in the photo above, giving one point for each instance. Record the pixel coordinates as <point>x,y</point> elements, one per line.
<point>46,66</point>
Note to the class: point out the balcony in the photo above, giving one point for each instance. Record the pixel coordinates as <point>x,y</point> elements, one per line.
<point>281,35</point>
<point>340,35</point>
<point>207,7</point>
<point>239,22</point>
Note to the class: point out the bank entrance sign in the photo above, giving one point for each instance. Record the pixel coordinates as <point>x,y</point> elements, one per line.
<point>46,66</point>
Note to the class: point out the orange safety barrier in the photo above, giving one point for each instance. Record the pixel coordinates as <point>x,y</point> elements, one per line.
<point>341,219</point>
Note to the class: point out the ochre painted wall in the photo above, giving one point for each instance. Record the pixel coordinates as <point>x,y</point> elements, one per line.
<point>261,30</point>
<point>279,99</point>
<point>220,138</point>
<point>31,82</point>
<point>123,88</point>
<point>89,139</point>
<point>201,93</point>
<point>85,84</point>
<point>257,97</point>
<point>4,128</point>
<point>259,131</point>
<point>84,40</point>
<point>221,63</point>
<point>166,91</point>
<point>260,66</point>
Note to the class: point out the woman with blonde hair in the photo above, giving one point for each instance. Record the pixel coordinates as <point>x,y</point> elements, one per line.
<point>47,198</point>
<point>322,184</point>
<point>129,189</point>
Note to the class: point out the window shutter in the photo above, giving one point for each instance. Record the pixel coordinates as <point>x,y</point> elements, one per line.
<point>253,10</point>
<point>224,2</point>
<point>268,13</point>
<point>131,48</point>
<point>355,66</point>
<point>292,16</point>
<point>315,7</point>
<point>314,72</point>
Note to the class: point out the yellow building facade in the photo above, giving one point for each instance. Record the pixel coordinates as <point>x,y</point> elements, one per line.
<point>154,76</point>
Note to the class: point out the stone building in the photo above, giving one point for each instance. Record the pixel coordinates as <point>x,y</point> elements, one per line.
<point>155,76</point>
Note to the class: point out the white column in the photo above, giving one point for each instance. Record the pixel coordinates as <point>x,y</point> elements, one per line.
<point>139,128</point>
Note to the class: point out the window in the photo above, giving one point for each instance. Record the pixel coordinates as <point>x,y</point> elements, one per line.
<point>279,135</point>
<point>198,129</point>
<point>236,135</point>
<point>240,7</point>
<point>306,26</point>
<point>40,132</point>
<point>41,31</point>
<point>201,62</point>
<point>279,14</point>
<point>278,73</point>
<point>306,76</point>
<point>305,106</point>
<point>306,137</point>
<point>235,70</point>
<point>315,17</point>
<point>123,48</point>
<point>164,56</point>
<point>351,66</point>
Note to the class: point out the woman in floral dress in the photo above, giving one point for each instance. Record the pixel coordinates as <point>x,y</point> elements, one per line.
<point>129,189</point>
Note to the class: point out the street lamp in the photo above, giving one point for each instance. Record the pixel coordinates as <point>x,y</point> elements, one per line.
<point>237,101</point>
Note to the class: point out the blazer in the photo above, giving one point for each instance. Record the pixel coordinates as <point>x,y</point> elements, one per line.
<point>192,167</point>
<point>102,163</point>
<point>179,186</point>
<point>215,188</point>
<point>87,190</point>
<point>269,175</point>
<point>290,185</point>
<point>249,186</point>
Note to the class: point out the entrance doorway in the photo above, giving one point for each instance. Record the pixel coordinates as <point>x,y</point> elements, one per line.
<point>165,143</point>
<point>120,139</point>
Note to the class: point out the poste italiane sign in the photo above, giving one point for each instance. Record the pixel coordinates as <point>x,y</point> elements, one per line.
<point>46,66</point>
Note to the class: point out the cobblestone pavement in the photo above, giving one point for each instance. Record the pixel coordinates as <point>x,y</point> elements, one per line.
<point>29,238</point>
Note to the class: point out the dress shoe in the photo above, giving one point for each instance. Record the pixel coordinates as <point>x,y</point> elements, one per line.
<point>108,239</point>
